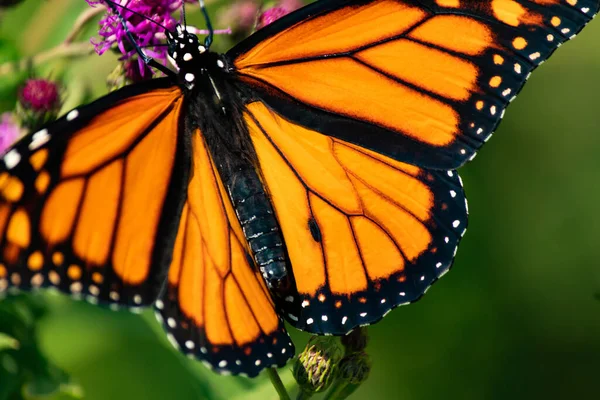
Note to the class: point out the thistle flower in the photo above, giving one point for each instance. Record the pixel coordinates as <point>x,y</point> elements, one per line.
<point>147,32</point>
<point>316,366</point>
<point>39,102</point>
<point>10,131</point>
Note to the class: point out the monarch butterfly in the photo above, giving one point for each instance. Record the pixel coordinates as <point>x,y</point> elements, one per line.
<point>308,174</point>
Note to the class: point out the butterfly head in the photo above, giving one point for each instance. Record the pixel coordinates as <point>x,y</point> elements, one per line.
<point>185,49</point>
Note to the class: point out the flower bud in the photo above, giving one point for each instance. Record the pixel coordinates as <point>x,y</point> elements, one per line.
<point>356,340</point>
<point>355,368</point>
<point>39,102</point>
<point>316,367</point>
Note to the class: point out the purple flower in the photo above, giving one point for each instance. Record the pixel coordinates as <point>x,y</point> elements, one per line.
<point>147,32</point>
<point>9,131</point>
<point>39,102</point>
<point>270,15</point>
<point>282,8</point>
<point>40,95</point>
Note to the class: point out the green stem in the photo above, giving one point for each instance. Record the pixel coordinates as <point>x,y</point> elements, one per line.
<point>62,50</point>
<point>67,48</point>
<point>336,390</point>
<point>277,384</point>
<point>303,395</point>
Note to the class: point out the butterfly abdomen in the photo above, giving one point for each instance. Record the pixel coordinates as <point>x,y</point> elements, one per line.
<point>260,227</point>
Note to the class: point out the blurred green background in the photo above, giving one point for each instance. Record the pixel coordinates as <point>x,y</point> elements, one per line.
<point>518,317</point>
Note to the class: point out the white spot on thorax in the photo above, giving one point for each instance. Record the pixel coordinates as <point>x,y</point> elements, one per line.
<point>187,57</point>
<point>189,77</point>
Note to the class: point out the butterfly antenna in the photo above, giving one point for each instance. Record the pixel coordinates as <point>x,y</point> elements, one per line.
<point>147,60</point>
<point>183,15</point>
<point>208,40</point>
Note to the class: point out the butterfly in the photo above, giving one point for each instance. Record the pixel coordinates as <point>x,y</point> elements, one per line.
<point>306,175</point>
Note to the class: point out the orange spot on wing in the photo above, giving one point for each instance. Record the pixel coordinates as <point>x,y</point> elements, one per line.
<point>13,189</point>
<point>97,278</point>
<point>58,215</point>
<point>448,3</point>
<point>519,43</point>
<point>3,272</point>
<point>508,11</point>
<point>467,36</point>
<point>19,229</point>
<point>38,159</point>
<point>35,261</point>
<point>555,21</point>
<point>42,181</point>
<point>58,258</point>
<point>74,272</point>
<point>498,59</point>
<point>94,233</point>
<point>495,81</point>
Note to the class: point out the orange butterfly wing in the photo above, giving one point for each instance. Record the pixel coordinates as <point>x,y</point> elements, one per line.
<point>421,81</point>
<point>216,305</point>
<point>86,204</point>
<point>364,233</point>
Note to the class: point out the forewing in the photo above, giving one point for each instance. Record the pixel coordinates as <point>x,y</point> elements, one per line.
<point>89,204</point>
<point>424,82</point>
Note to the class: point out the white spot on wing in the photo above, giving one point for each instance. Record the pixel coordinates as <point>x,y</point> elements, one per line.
<point>72,115</point>
<point>39,138</point>
<point>12,158</point>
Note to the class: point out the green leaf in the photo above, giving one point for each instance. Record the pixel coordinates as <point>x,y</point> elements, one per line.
<point>8,342</point>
